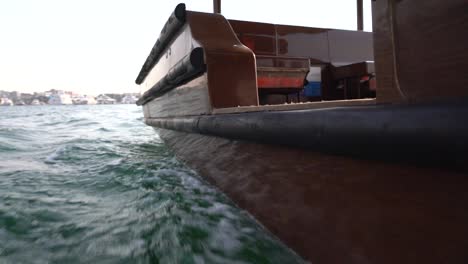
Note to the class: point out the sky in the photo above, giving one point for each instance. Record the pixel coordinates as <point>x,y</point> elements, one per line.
<point>98,46</point>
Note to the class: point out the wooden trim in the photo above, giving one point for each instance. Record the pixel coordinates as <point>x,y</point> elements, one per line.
<point>282,69</point>
<point>420,50</point>
<point>295,106</point>
<point>187,99</point>
<point>232,76</point>
<point>334,209</point>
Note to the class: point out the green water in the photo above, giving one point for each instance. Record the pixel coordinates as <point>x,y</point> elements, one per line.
<point>93,184</point>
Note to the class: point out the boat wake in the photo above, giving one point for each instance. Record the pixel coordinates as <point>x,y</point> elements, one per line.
<point>111,192</point>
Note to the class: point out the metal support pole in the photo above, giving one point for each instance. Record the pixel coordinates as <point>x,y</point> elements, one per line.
<point>217,6</point>
<point>360,20</point>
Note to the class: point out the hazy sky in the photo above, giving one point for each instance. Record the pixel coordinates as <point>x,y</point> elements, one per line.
<point>95,46</point>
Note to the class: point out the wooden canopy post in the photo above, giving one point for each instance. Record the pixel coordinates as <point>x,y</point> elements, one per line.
<point>360,20</point>
<point>217,6</point>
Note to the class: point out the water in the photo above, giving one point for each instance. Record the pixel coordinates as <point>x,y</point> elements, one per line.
<point>93,184</point>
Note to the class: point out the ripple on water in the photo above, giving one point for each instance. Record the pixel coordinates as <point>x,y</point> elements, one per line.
<point>96,185</point>
<point>7,147</point>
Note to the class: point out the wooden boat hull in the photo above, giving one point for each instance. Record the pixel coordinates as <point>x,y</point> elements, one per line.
<point>335,209</point>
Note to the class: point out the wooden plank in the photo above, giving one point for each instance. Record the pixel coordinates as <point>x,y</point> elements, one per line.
<point>335,209</point>
<point>387,89</point>
<point>420,50</point>
<point>230,65</point>
<point>186,100</point>
<point>295,106</point>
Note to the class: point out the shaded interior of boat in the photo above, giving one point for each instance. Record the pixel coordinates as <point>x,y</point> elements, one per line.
<point>254,64</point>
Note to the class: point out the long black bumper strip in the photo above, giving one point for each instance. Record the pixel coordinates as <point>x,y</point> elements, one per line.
<point>435,131</point>
<point>185,70</point>
<point>170,29</point>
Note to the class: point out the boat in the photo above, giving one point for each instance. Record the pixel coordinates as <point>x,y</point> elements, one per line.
<point>5,101</point>
<point>60,99</point>
<point>349,146</point>
<point>104,99</point>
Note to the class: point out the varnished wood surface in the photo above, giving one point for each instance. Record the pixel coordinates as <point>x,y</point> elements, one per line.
<point>230,65</point>
<point>420,50</point>
<point>332,209</point>
<point>186,100</point>
<point>388,90</point>
<point>431,39</point>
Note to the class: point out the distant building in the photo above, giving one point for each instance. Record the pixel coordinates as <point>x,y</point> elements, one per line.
<point>25,98</point>
<point>60,99</point>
